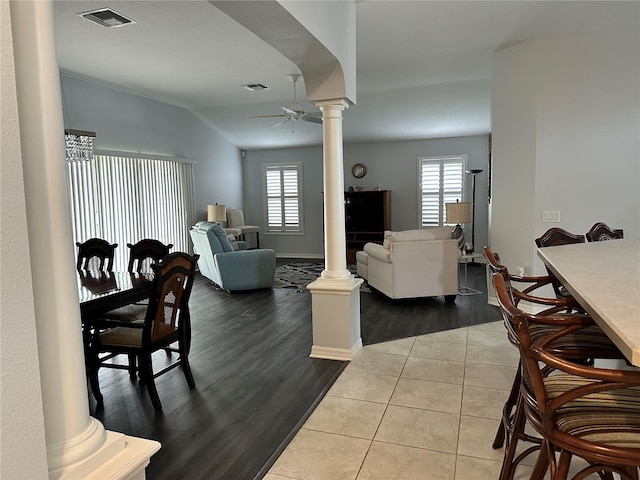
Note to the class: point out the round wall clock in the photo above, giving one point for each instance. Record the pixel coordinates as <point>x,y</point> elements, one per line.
<point>359,170</point>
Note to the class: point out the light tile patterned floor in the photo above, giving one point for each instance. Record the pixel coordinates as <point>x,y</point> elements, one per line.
<point>420,408</point>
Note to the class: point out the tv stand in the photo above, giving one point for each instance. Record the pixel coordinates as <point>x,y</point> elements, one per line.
<point>367,216</point>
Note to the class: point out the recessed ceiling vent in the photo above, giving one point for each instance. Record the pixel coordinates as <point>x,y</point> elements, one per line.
<point>255,87</point>
<point>106,18</point>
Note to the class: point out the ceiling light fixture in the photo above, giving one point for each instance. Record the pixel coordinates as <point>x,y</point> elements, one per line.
<point>106,17</point>
<point>255,87</point>
<point>78,145</point>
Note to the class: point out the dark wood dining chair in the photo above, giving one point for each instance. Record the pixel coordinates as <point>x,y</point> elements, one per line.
<point>141,256</point>
<point>552,315</point>
<point>558,236</point>
<point>601,231</point>
<point>145,252</point>
<point>95,254</point>
<point>577,409</point>
<point>166,322</point>
<point>553,237</point>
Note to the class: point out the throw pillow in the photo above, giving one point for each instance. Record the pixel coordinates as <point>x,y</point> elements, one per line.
<point>232,240</point>
<point>458,235</point>
<point>222,236</point>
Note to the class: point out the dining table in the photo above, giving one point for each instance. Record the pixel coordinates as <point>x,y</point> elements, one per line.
<point>100,291</point>
<point>604,277</point>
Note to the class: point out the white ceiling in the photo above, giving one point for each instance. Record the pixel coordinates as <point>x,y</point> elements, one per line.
<point>423,67</point>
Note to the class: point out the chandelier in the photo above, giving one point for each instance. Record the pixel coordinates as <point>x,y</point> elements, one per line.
<point>78,145</point>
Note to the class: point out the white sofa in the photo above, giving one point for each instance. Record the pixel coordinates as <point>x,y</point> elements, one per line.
<point>412,263</point>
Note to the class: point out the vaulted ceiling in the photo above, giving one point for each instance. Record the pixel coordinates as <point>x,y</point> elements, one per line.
<point>423,67</point>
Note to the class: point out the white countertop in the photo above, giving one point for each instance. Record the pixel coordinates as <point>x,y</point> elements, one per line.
<point>605,278</point>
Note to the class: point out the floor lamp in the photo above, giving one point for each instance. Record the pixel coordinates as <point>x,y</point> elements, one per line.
<point>473,206</point>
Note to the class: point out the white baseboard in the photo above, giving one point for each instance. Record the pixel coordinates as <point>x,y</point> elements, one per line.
<point>315,256</point>
<point>331,353</point>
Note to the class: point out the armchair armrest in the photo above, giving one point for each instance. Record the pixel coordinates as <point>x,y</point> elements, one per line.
<point>246,269</point>
<point>378,251</point>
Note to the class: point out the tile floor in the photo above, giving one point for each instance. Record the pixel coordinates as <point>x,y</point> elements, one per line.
<point>424,408</point>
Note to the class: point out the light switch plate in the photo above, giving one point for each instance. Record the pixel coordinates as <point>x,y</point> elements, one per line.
<point>551,216</point>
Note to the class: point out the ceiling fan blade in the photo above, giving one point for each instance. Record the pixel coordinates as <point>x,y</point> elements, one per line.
<point>281,122</point>
<point>312,119</point>
<point>267,116</point>
<point>289,111</point>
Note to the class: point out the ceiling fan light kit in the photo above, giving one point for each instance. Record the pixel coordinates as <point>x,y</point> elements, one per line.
<point>293,113</point>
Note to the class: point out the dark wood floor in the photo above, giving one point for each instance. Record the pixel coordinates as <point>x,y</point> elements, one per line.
<point>255,382</point>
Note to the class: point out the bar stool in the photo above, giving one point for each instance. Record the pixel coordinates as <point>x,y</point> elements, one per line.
<point>578,410</point>
<point>582,346</point>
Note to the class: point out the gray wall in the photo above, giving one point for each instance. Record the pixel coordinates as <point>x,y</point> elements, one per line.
<point>393,165</point>
<point>568,141</point>
<point>131,123</point>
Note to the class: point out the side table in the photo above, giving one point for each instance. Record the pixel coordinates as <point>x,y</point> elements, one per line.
<point>466,259</point>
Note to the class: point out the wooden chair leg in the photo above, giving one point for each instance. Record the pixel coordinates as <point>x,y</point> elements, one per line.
<point>146,374</point>
<point>132,366</point>
<point>509,462</point>
<point>563,466</point>
<point>507,469</point>
<point>507,411</point>
<point>94,367</point>
<point>542,464</point>
<point>184,363</point>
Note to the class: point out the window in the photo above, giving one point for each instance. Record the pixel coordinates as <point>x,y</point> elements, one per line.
<point>283,197</point>
<point>124,200</point>
<point>441,181</point>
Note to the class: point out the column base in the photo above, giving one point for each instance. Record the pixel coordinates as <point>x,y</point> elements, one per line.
<point>336,318</point>
<point>329,353</point>
<point>119,458</point>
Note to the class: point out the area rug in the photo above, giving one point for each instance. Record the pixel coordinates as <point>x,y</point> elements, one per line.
<point>297,275</point>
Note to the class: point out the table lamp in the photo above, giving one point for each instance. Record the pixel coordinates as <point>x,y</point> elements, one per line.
<point>459,212</point>
<point>217,213</point>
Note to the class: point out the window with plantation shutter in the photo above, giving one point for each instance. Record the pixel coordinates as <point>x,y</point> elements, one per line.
<point>283,198</point>
<point>441,182</point>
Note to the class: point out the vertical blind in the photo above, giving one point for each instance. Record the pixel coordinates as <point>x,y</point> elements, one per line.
<point>441,182</point>
<point>283,190</point>
<point>124,200</point>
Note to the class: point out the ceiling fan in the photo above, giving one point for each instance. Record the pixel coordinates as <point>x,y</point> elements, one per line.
<point>293,113</point>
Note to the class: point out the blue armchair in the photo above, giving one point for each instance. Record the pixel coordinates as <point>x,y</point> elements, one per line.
<point>228,268</point>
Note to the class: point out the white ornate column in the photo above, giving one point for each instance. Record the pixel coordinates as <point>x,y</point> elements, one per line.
<point>77,445</point>
<point>335,295</point>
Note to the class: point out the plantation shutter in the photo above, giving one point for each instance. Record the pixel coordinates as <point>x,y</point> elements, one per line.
<point>283,189</point>
<point>441,182</point>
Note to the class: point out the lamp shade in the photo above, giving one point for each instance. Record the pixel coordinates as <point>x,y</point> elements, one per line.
<point>459,212</point>
<point>216,213</point>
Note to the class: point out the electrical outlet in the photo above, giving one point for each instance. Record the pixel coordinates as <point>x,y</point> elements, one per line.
<point>551,216</point>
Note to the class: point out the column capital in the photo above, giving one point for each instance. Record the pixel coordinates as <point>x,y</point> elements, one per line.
<point>341,103</point>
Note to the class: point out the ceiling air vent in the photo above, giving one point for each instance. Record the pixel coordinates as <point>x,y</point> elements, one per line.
<point>106,17</point>
<point>255,87</point>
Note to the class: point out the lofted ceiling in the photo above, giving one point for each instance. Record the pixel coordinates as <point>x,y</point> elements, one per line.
<point>423,67</point>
